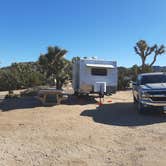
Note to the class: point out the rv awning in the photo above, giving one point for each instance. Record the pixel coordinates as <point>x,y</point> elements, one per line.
<point>100,66</point>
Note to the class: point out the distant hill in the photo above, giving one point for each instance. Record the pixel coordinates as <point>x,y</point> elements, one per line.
<point>159,68</point>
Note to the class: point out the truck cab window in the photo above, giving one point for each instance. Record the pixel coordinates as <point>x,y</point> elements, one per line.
<point>99,71</point>
<point>150,79</point>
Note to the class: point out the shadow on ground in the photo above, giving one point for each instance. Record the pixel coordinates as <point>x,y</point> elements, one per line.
<point>123,114</point>
<point>79,100</point>
<point>32,102</point>
<point>19,103</point>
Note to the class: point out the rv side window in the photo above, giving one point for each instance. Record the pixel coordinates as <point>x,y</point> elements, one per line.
<point>99,71</point>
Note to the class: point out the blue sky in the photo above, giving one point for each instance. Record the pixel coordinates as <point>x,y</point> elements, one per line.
<point>107,29</point>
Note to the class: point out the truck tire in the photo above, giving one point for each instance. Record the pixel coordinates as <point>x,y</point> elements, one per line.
<point>140,108</point>
<point>135,100</point>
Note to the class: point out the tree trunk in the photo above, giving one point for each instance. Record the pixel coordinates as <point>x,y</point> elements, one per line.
<point>154,60</point>
<point>59,84</point>
<point>143,65</point>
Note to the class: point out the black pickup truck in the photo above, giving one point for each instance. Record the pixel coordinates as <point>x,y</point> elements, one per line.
<point>149,92</point>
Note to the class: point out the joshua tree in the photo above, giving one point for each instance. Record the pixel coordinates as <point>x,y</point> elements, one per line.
<point>144,51</point>
<point>55,65</point>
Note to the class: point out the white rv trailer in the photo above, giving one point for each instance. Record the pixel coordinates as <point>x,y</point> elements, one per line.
<point>94,76</point>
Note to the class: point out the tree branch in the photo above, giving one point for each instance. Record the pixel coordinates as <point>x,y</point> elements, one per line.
<point>158,51</point>
<point>136,50</point>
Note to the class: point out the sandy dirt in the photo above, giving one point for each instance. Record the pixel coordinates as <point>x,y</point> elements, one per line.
<point>78,133</point>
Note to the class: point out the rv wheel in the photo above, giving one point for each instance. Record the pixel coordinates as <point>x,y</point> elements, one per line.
<point>77,94</point>
<point>108,94</point>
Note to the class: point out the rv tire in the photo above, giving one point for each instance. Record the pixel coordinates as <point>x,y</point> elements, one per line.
<point>76,93</point>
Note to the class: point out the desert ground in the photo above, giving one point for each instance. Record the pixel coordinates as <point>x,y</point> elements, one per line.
<point>80,133</point>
